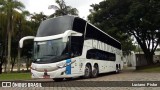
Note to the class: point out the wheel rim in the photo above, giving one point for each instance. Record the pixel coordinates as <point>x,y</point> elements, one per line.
<point>87,71</point>
<point>117,70</point>
<point>95,71</point>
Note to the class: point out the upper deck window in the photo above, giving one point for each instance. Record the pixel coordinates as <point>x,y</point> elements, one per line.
<point>79,25</point>
<point>59,25</point>
<point>55,26</point>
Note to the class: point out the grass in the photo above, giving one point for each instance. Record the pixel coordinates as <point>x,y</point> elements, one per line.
<point>150,69</point>
<point>15,76</point>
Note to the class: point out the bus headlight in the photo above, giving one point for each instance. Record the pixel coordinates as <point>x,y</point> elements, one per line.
<point>61,65</point>
<point>33,68</point>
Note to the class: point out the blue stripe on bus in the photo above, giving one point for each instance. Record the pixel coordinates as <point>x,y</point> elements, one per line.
<point>68,67</point>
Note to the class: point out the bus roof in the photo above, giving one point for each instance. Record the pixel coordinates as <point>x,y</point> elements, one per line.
<point>60,24</point>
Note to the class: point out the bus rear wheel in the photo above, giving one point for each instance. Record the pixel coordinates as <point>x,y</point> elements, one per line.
<point>87,71</point>
<point>95,71</point>
<point>58,79</point>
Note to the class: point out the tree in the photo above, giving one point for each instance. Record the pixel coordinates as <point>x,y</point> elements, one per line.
<point>62,9</point>
<point>143,19</point>
<point>138,18</point>
<point>104,16</point>
<point>8,6</point>
<point>27,52</point>
<point>3,40</point>
<point>21,28</point>
<point>36,19</point>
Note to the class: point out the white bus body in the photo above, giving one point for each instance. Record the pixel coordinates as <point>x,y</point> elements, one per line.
<point>80,49</point>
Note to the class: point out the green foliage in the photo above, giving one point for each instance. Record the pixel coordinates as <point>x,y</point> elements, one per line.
<point>38,18</point>
<point>8,7</point>
<point>108,15</point>
<point>138,18</point>
<point>158,49</point>
<point>63,9</point>
<point>15,76</point>
<point>19,27</point>
<point>3,27</point>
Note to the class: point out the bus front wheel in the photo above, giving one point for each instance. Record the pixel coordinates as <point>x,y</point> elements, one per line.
<point>87,71</point>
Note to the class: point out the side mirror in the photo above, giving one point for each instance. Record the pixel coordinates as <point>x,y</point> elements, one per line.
<point>65,39</point>
<point>76,34</point>
<point>25,38</point>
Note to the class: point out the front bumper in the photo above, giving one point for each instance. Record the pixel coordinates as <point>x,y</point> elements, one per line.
<point>52,74</point>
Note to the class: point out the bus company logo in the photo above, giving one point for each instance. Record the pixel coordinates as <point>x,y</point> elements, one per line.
<point>21,84</point>
<point>6,84</point>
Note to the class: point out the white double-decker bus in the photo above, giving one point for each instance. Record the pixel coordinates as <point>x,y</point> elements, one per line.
<point>68,46</point>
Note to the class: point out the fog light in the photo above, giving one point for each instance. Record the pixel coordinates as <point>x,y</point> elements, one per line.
<point>62,73</point>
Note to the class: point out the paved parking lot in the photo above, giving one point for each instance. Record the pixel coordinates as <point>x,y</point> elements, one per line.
<point>125,75</point>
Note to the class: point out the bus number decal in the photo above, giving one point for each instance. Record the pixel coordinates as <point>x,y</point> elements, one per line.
<point>68,67</point>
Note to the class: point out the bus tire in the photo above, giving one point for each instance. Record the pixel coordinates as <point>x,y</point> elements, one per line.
<point>58,79</point>
<point>87,71</point>
<point>68,79</point>
<point>95,71</point>
<point>117,69</point>
<point>120,67</point>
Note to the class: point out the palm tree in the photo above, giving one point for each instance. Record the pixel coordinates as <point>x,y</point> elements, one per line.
<point>38,18</point>
<point>8,6</point>
<point>3,39</point>
<point>23,28</point>
<point>62,9</point>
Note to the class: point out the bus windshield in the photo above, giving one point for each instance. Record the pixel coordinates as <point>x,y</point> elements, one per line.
<point>50,51</point>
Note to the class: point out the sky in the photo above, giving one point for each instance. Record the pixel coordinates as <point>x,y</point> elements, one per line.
<point>37,6</point>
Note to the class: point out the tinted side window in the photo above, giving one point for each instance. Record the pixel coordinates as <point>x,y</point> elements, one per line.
<point>79,25</point>
<point>76,45</point>
<point>100,55</point>
<point>94,33</point>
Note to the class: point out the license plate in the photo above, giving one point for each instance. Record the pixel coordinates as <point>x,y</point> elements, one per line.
<point>46,76</point>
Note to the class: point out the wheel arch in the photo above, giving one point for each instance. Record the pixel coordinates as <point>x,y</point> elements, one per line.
<point>96,64</point>
<point>88,63</point>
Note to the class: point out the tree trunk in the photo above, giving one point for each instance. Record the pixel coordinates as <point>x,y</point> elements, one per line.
<point>5,65</point>
<point>2,59</point>
<point>13,63</point>
<point>27,64</point>
<point>0,68</point>
<point>9,52</point>
<point>19,49</point>
<point>5,52</point>
<point>19,57</point>
<point>149,58</point>
<point>1,63</point>
<point>9,30</point>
